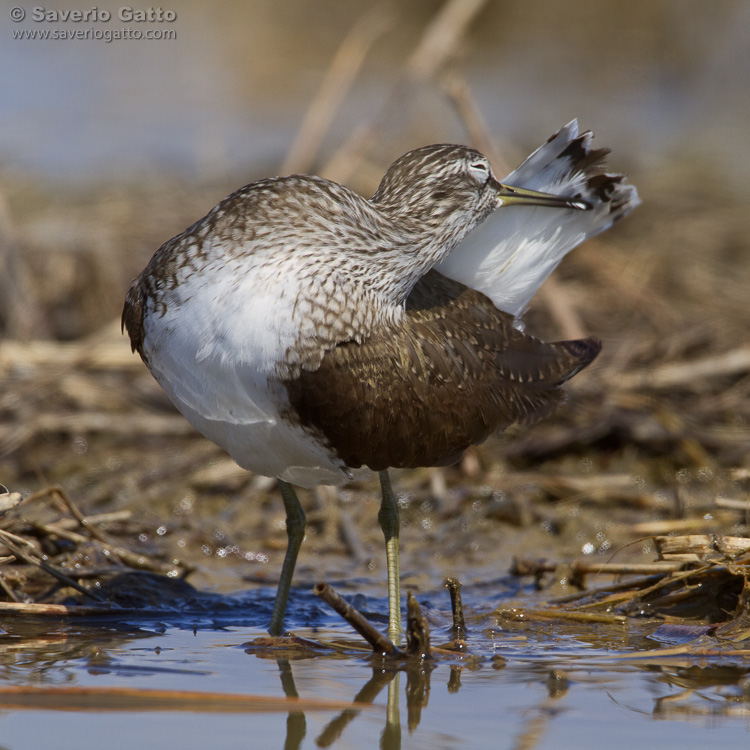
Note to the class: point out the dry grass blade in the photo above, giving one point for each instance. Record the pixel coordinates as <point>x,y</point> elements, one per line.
<point>699,578</point>
<point>6,539</point>
<point>101,355</point>
<point>601,597</point>
<point>667,656</point>
<point>59,493</point>
<point>72,548</point>
<point>681,374</point>
<point>525,614</point>
<point>530,566</point>
<point>7,589</point>
<point>9,501</point>
<point>671,526</point>
<point>34,609</point>
<point>339,78</point>
<point>133,559</point>
<point>134,699</point>
<point>459,93</point>
<point>18,305</point>
<point>701,547</point>
<point>442,36</point>
<point>14,436</point>
<point>561,308</point>
<point>434,49</point>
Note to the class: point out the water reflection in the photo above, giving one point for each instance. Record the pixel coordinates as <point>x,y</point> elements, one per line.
<point>417,697</point>
<point>532,691</point>
<point>296,725</point>
<point>367,694</point>
<point>695,693</point>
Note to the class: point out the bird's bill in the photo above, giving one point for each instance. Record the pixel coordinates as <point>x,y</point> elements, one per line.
<point>513,196</point>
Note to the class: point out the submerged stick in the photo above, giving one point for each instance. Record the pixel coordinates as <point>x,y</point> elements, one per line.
<point>459,623</point>
<point>417,629</point>
<point>379,642</point>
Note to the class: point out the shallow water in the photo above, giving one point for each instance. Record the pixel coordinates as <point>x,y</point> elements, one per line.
<point>526,687</point>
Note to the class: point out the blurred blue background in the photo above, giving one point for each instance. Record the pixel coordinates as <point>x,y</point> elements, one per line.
<point>661,81</point>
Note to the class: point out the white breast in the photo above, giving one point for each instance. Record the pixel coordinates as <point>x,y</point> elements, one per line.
<point>215,350</point>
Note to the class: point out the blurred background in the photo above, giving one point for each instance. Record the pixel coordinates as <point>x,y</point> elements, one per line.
<point>91,130</point>
<point>108,149</point>
<point>664,81</point>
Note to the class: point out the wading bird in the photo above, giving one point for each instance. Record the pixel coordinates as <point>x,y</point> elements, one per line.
<point>311,332</point>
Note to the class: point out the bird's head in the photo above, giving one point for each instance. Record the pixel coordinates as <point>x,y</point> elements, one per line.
<point>450,189</point>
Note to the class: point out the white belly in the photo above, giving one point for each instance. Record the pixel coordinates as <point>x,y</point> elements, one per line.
<point>270,447</point>
<point>214,347</point>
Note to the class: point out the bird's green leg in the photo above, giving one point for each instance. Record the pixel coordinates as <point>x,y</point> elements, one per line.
<point>389,522</point>
<point>295,531</point>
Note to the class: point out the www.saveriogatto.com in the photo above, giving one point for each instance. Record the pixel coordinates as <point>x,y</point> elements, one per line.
<point>38,23</point>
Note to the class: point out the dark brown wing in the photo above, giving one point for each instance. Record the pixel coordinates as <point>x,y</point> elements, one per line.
<point>453,373</point>
<point>132,318</point>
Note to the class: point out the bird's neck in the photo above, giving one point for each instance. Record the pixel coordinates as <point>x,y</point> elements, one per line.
<point>420,245</point>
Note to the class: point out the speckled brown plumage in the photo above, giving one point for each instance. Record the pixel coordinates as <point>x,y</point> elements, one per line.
<point>455,371</point>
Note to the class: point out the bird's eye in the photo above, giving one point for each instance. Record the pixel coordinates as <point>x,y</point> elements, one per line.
<point>480,171</point>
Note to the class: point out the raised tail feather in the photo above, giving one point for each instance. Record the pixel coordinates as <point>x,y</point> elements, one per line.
<point>517,248</point>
